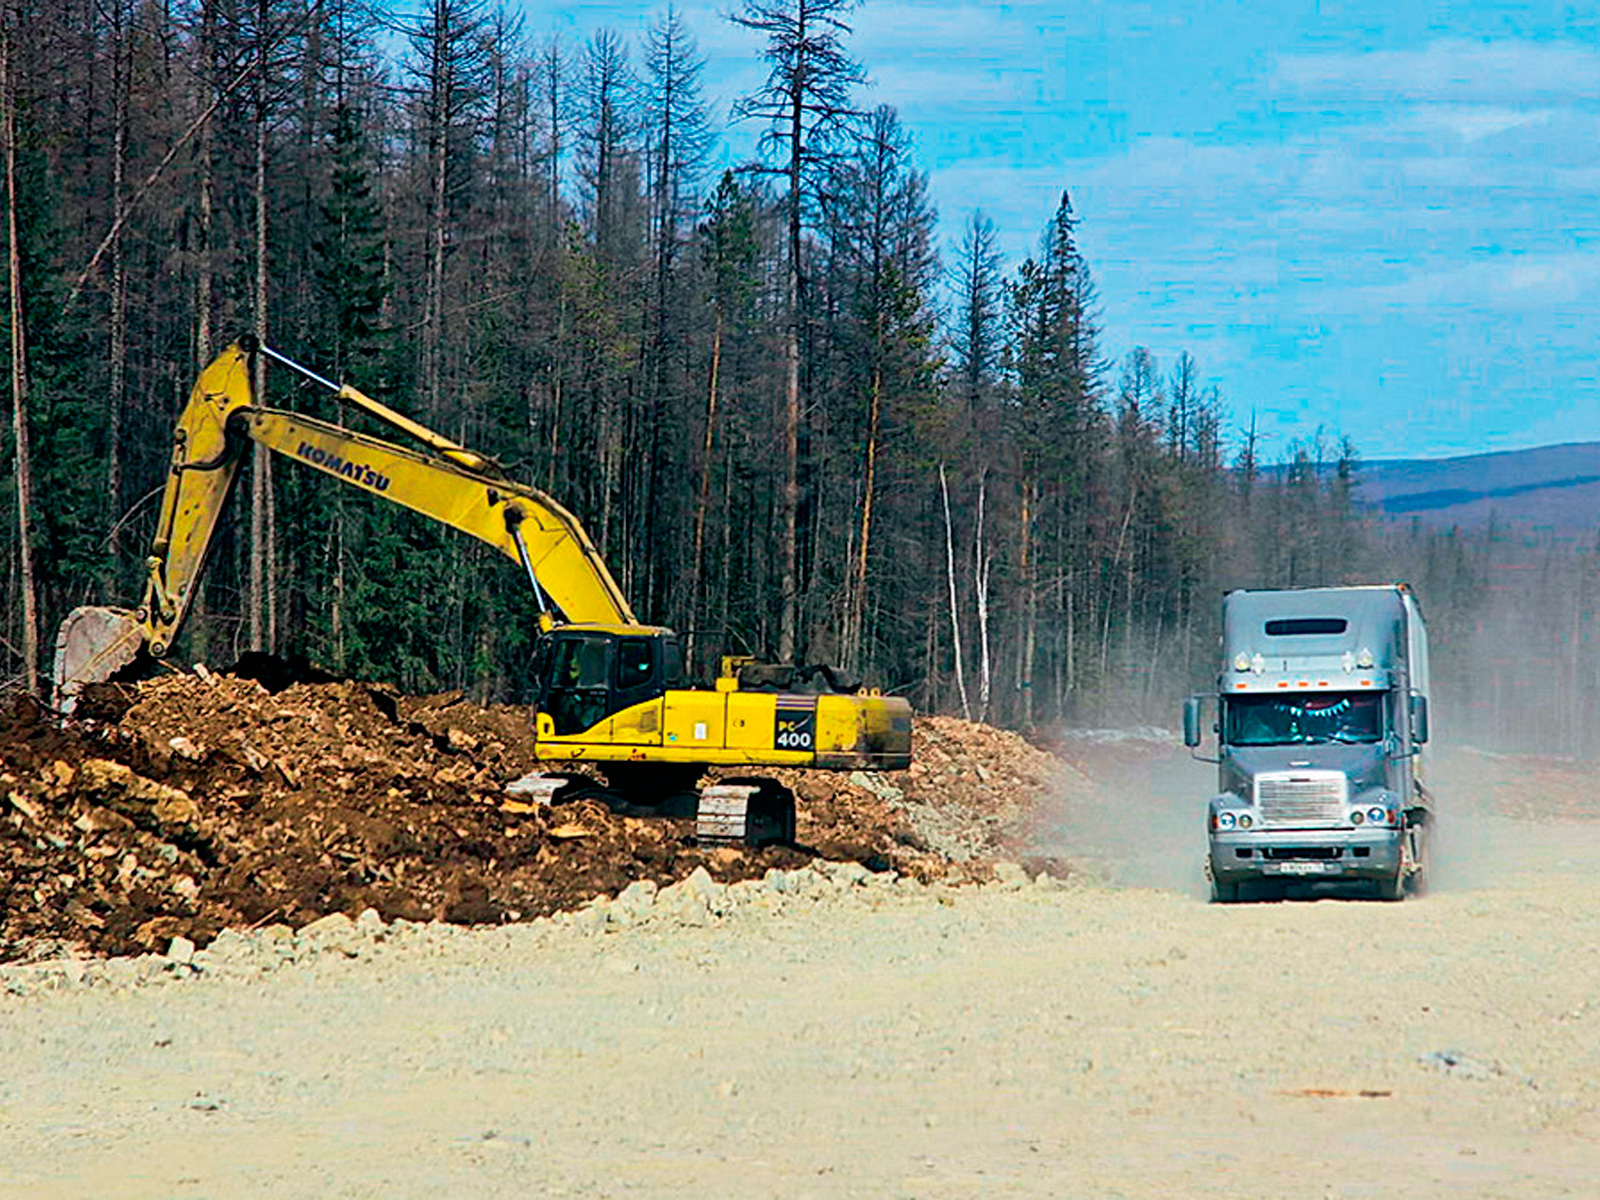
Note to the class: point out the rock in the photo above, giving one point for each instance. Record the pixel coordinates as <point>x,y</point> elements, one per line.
<point>1010,876</point>
<point>184,748</point>
<point>181,951</point>
<point>638,898</point>
<point>333,925</point>
<point>102,820</point>
<point>745,891</point>
<point>537,786</point>
<point>279,938</point>
<point>25,806</point>
<point>58,777</point>
<point>370,923</point>
<point>177,810</point>
<point>230,948</point>
<point>699,882</point>
<point>877,785</point>
<point>112,778</point>
<point>847,874</point>
<point>590,920</point>
<point>1458,1066</point>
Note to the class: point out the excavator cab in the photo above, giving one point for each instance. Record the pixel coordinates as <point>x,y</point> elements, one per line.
<point>584,673</point>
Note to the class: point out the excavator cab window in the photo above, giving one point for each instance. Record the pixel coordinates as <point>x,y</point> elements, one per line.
<point>672,663</point>
<point>638,671</point>
<point>592,675</point>
<point>577,691</point>
<point>635,663</point>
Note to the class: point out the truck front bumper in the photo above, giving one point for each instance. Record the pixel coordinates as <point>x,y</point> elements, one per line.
<point>1328,855</point>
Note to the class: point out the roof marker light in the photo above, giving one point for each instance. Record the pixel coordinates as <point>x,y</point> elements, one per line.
<point>1364,660</point>
<point>1241,662</point>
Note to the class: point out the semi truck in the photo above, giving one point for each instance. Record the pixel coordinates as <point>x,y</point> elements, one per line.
<point>1320,715</point>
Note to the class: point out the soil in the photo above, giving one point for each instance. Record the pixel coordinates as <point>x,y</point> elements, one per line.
<point>834,1031</point>
<point>193,803</point>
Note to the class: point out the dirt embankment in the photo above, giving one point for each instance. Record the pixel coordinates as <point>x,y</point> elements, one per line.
<point>193,803</point>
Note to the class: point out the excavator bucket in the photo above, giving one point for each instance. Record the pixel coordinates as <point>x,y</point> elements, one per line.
<point>93,645</point>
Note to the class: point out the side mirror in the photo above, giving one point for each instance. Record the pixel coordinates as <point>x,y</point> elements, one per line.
<point>1191,722</point>
<point>1419,718</point>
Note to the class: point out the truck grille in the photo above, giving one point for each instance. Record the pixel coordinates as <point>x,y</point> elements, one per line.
<point>1302,799</point>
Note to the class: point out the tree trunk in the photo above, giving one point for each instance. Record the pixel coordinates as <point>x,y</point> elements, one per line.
<point>955,609</point>
<point>856,618</point>
<point>19,373</point>
<point>206,186</point>
<point>981,579</point>
<point>1030,606</point>
<point>440,85</point>
<point>707,447</point>
<point>263,582</point>
<point>788,614</point>
<point>119,282</point>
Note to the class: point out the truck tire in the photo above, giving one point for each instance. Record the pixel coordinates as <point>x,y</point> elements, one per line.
<point>1421,835</point>
<point>1224,893</point>
<point>1408,874</point>
<point>1393,887</point>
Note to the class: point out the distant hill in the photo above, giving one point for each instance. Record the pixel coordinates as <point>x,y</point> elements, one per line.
<point>1554,487</point>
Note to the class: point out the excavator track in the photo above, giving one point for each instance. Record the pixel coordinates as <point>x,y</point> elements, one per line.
<point>754,812</point>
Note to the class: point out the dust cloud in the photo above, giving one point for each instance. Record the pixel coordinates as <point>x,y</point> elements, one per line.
<point>1143,825</point>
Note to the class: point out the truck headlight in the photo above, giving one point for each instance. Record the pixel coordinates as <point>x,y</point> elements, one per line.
<point>1356,818</point>
<point>1375,815</point>
<point>1226,820</point>
<point>1244,821</point>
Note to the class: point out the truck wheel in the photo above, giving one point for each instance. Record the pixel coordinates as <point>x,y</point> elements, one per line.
<point>1419,872</point>
<point>1395,888</point>
<point>1224,893</point>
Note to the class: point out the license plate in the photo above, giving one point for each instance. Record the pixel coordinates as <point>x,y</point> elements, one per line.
<point>1298,866</point>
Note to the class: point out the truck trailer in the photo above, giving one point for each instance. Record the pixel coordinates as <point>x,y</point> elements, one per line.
<point>1321,724</point>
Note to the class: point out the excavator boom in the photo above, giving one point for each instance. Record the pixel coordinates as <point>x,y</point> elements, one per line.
<point>442,480</point>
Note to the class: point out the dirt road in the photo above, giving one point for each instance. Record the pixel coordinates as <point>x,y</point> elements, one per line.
<point>812,1037</point>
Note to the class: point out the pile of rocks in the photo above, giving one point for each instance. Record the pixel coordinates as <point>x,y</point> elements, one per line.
<point>196,803</point>
<point>694,902</point>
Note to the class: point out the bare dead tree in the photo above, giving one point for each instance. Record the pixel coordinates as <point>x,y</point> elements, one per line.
<point>806,104</point>
<point>955,608</point>
<point>19,363</point>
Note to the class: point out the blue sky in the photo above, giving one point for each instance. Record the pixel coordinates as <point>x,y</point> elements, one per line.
<point>1380,218</point>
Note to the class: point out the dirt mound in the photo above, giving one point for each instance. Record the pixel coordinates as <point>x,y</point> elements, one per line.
<point>192,803</point>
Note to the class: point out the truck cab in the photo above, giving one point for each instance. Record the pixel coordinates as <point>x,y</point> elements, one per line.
<point>1321,720</point>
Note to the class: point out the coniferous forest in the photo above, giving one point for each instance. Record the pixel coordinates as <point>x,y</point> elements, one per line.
<point>800,413</point>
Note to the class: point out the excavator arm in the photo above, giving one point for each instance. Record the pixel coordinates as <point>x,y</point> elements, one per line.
<point>442,480</point>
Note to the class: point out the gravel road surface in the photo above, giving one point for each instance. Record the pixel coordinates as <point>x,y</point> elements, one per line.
<point>821,1035</point>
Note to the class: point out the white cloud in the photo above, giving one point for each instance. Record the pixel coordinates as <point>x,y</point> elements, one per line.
<point>1506,71</point>
<point>1506,283</point>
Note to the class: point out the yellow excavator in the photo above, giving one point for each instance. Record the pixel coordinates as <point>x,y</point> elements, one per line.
<point>609,690</point>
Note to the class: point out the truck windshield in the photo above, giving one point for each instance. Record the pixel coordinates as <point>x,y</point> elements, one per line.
<point>1304,718</point>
